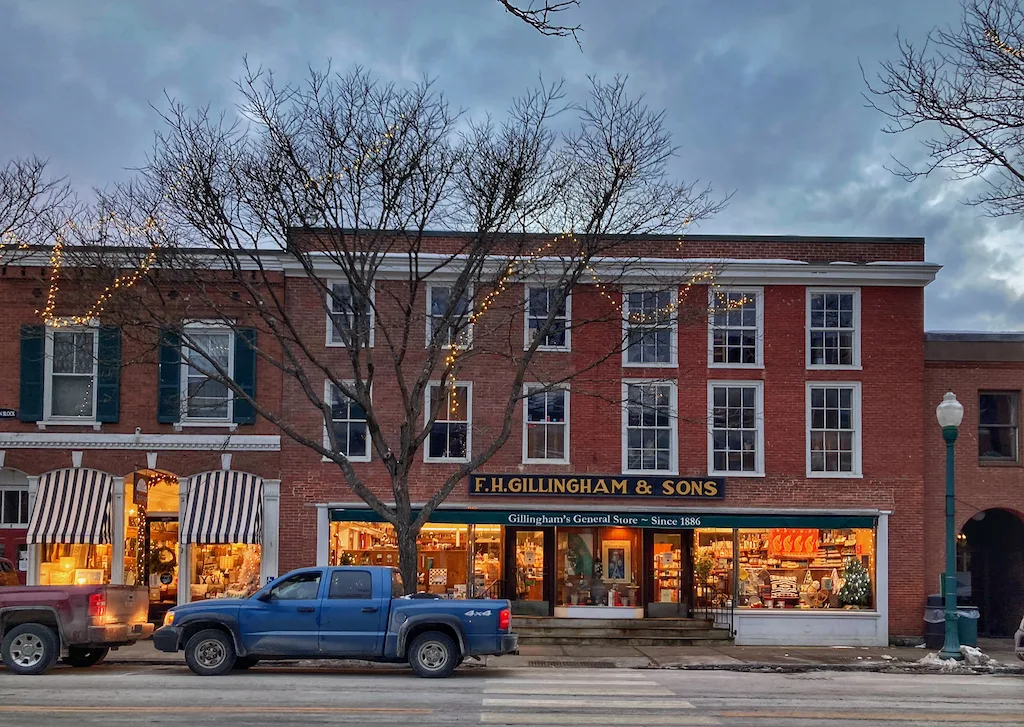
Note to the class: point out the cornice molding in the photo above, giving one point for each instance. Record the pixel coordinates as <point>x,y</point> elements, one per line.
<point>142,442</point>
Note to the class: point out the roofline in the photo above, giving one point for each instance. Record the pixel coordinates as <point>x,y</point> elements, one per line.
<point>975,336</point>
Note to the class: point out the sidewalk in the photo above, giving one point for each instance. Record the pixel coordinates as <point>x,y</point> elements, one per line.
<point>725,657</point>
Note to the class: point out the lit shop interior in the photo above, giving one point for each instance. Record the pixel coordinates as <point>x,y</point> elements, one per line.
<point>622,572</point>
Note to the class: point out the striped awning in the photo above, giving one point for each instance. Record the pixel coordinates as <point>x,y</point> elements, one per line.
<point>72,506</point>
<point>223,507</point>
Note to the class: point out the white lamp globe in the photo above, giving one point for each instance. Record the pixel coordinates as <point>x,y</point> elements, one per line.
<point>950,412</point>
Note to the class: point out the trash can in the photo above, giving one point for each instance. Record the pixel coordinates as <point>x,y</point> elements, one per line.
<point>934,622</point>
<point>967,625</point>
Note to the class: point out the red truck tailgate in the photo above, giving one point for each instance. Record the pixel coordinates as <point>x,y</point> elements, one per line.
<point>126,604</point>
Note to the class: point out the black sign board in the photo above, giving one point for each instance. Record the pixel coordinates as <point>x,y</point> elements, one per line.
<point>599,486</point>
<point>8,413</point>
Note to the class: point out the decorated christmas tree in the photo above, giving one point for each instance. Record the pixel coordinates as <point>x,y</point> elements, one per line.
<point>856,590</point>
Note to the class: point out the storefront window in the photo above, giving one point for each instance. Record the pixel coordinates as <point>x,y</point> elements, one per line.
<point>712,567</point>
<point>71,564</point>
<point>598,566</point>
<point>225,571</point>
<point>807,568</point>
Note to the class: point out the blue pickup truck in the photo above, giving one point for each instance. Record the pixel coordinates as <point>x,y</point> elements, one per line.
<point>330,613</point>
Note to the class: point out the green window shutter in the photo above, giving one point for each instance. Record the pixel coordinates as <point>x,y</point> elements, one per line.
<point>108,375</point>
<point>168,410</point>
<point>33,354</point>
<point>245,374</point>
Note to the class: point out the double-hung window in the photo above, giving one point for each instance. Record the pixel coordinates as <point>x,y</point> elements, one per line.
<point>833,329</point>
<point>448,316</point>
<point>546,425</point>
<point>997,426</point>
<point>736,432</point>
<point>450,438</point>
<point>735,335</point>
<point>13,507</point>
<point>834,435</point>
<point>350,318</point>
<point>71,368</point>
<point>649,317</point>
<point>650,443</point>
<point>539,305</point>
<point>348,422</point>
<point>205,395</point>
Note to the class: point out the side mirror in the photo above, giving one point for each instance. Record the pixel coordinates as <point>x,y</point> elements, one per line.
<point>263,596</point>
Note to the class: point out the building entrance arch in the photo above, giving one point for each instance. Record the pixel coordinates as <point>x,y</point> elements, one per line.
<point>992,551</point>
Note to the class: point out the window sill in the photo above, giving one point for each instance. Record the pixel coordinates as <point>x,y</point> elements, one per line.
<point>42,425</point>
<point>651,473</point>
<point>230,426</point>
<point>713,365</point>
<point>550,349</point>
<point>557,462</point>
<point>734,475</point>
<point>353,460</point>
<point>835,475</point>
<point>660,365</point>
<point>826,367</point>
<point>445,460</point>
<point>982,462</point>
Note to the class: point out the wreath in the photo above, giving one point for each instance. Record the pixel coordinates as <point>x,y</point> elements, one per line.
<point>162,560</point>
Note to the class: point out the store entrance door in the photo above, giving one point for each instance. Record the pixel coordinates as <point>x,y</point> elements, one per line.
<point>162,567</point>
<point>530,570</point>
<point>669,573</point>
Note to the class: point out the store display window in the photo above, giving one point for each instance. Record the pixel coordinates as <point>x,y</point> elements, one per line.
<point>806,568</point>
<point>75,564</point>
<point>713,567</point>
<point>598,566</point>
<point>487,572</point>
<point>224,570</point>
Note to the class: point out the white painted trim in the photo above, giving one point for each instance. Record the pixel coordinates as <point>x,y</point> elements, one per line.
<point>271,530</point>
<point>526,321</point>
<point>117,530</point>
<point>200,424</point>
<point>882,576</point>
<point>323,535</point>
<point>329,342</point>
<point>142,442</point>
<point>758,293</point>
<point>673,361</point>
<point>329,400</point>
<point>184,549</point>
<point>469,313</point>
<point>692,510</point>
<point>759,420</point>
<point>673,424</point>
<point>184,420</point>
<point>858,471</point>
<point>34,551</point>
<point>48,418</point>
<point>568,421</point>
<point>856,366</point>
<point>469,423</point>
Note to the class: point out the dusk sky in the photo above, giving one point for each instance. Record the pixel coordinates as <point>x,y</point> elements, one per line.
<point>764,99</point>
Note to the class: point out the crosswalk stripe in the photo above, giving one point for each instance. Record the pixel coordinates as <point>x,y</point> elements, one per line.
<point>549,674</point>
<point>540,718</point>
<point>625,690</point>
<point>624,704</point>
<point>558,681</point>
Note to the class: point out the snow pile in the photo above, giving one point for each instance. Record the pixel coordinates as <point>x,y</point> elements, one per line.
<point>972,658</point>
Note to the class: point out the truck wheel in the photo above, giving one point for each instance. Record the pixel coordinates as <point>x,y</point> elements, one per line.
<point>433,655</point>
<point>210,653</point>
<point>245,662</point>
<point>82,657</point>
<point>29,649</point>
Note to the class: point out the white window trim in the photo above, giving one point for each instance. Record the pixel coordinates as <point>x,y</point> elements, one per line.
<point>758,292</point>
<point>48,419</point>
<point>185,420</point>
<point>673,361</point>
<point>856,366</point>
<point>427,333</point>
<point>469,423</point>
<point>673,422</point>
<point>327,441</point>
<point>568,420</point>
<point>758,418</point>
<point>858,472</point>
<point>14,526</point>
<point>526,321</point>
<point>330,322</point>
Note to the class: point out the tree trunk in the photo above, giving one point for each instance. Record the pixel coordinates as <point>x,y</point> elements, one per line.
<point>408,560</point>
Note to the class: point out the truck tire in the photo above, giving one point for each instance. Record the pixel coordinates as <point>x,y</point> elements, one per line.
<point>433,655</point>
<point>210,653</point>
<point>245,662</point>
<point>29,649</point>
<point>82,657</point>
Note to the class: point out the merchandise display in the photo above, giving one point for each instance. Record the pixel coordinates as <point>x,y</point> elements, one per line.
<point>68,564</point>
<point>224,571</point>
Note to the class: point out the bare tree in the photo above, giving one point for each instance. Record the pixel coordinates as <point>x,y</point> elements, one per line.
<point>312,207</point>
<point>964,89</point>
<point>32,205</point>
<point>541,17</point>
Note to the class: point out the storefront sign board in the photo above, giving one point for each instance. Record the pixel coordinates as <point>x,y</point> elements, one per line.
<point>598,486</point>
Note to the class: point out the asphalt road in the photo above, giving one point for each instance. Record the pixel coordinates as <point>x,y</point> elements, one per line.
<point>115,695</point>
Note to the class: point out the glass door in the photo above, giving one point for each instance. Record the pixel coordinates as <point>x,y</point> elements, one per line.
<point>528,571</point>
<point>670,574</point>
<point>162,565</point>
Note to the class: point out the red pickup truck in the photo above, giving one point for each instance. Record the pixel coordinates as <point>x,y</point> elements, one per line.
<point>78,624</point>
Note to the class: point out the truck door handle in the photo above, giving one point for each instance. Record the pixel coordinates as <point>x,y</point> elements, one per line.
<point>305,609</point>
<point>370,609</point>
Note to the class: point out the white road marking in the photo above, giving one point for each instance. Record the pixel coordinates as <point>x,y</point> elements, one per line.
<point>559,681</point>
<point>623,704</point>
<point>627,690</point>
<point>590,719</point>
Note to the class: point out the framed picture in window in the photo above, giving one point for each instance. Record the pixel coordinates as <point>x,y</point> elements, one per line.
<point>616,557</point>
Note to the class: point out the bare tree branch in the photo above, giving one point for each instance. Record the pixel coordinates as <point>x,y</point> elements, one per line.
<point>539,17</point>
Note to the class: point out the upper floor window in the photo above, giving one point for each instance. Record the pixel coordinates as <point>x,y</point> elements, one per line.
<point>348,421</point>
<point>14,506</point>
<point>451,432</point>
<point>649,441</point>
<point>833,329</point>
<point>546,425</point>
<point>650,322</point>
<point>735,335</point>
<point>736,434</point>
<point>204,394</point>
<point>71,369</point>
<point>998,421</point>
<point>449,317</point>
<point>539,304</point>
<point>834,436</point>
<point>351,316</point>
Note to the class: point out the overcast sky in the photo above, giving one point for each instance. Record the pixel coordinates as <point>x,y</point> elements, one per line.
<point>763,98</point>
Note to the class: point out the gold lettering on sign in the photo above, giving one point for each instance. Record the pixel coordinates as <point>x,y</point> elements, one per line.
<point>497,484</point>
<point>601,488</point>
<point>620,487</point>
<point>711,488</point>
<point>558,485</point>
<point>642,488</point>
<point>478,483</point>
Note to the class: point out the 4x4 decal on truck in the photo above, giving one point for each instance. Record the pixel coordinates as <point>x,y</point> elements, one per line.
<point>478,613</point>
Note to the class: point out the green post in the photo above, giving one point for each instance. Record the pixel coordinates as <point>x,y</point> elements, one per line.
<point>951,647</point>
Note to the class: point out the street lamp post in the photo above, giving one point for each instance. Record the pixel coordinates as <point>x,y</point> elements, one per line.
<point>950,413</point>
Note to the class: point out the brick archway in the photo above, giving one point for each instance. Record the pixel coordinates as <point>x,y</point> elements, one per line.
<point>995,546</point>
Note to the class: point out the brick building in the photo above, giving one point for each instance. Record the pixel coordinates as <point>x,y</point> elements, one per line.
<point>735,461</point>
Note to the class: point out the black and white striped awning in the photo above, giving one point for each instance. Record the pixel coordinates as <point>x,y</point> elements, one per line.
<point>72,506</point>
<point>223,507</point>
